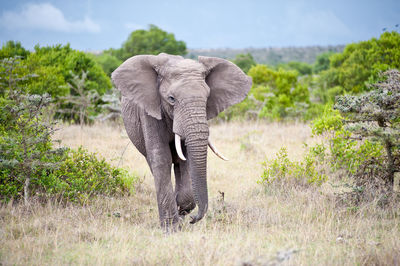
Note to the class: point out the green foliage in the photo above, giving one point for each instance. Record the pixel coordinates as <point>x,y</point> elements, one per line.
<point>275,95</point>
<point>12,49</point>
<point>49,79</point>
<point>329,120</point>
<point>360,63</point>
<point>108,62</point>
<point>55,68</point>
<point>282,169</point>
<point>375,116</point>
<point>81,175</point>
<point>25,144</point>
<point>300,67</point>
<point>344,151</point>
<point>151,41</point>
<point>30,165</point>
<point>244,61</point>
<point>282,96</point>
<point>59,62</point>
<point>322,62</point>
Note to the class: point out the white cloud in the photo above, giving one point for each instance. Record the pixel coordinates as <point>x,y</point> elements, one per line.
<point>45,16</point>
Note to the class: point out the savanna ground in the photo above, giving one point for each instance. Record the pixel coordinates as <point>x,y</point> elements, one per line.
<point>251,225</point>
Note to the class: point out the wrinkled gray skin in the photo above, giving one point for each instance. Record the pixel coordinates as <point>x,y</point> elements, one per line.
<point>165,95</point>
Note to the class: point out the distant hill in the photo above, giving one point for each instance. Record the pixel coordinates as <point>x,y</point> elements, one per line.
<point>270,56</point>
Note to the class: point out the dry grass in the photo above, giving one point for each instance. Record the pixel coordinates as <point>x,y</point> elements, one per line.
<point>252,226</point>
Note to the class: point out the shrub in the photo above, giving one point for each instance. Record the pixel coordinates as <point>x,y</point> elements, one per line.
<point>344,152</point>
<point>74,175</point>
<point>281,168</point>
<point>81,175</point>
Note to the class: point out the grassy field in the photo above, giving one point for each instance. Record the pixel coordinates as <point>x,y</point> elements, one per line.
<point>252,225</point>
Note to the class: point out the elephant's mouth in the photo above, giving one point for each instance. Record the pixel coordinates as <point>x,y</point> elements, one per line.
<point>179,151</point>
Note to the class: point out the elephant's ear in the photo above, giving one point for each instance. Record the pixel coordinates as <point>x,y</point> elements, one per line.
<point>228,83</point>
<point>136,78</point>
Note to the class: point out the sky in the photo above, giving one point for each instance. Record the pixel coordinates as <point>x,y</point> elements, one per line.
<point>91,25</point>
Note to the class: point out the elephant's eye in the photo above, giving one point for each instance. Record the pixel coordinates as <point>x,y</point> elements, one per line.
<point>171,99</point>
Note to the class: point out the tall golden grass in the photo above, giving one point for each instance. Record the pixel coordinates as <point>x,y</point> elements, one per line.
<point>252,224</point>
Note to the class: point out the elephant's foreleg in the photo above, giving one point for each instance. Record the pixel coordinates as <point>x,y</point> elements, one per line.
<point>183,189</point>
<point>159,158</point>
<point>160,165</point>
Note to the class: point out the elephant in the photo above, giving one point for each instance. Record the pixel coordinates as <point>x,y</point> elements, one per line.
<point>166,101</point>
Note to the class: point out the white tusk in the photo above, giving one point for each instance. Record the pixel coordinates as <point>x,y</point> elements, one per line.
<point>216,151</point>
<point>178,147</point>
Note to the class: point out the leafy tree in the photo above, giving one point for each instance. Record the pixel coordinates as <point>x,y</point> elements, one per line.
<point>25,144</point>
<point>152,41</point>
<point>108,62</point>
<point>78,61</point>
<point>53,65</point>
<point>244,61</point>
<point>275,94</point>
<point>49,79</point>
<point>12,49</point>
<point>302,68</point>
<point>322,62</point>
<point>360,63</point>
<point>376,115</point>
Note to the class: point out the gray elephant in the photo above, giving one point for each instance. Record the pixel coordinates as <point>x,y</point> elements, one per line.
<point>166,102</point>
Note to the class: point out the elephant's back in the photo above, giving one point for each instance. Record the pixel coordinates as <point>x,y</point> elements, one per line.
<point>131,116</point>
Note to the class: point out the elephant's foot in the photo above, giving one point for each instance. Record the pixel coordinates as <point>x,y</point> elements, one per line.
<point>172,225</point>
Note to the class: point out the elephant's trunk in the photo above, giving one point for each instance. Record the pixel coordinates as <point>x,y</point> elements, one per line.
<point>191,123</point>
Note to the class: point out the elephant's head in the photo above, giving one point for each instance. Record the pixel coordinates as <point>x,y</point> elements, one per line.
<point>189,93</point>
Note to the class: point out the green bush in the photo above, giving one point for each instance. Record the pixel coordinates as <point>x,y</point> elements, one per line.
<point>275,95</point>
<point>81,175</point>
<point>281,168</point>
<point>74,175</point>
<point>279,91</point>
<point>344,151</point>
